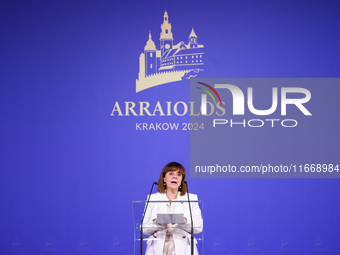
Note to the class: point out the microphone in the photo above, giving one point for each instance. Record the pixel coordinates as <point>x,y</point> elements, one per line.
<point>192,224</point>
<point>141,224</point>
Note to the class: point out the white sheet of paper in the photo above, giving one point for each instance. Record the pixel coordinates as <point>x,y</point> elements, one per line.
<point>165,218</point>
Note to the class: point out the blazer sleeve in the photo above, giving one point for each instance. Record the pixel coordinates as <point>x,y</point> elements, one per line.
<point>196,216</point>
<point>149,226</point>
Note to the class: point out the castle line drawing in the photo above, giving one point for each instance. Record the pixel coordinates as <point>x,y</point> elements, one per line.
<point>172,62</point>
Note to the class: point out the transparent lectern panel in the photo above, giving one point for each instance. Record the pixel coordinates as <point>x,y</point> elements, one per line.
<point>165,221</point>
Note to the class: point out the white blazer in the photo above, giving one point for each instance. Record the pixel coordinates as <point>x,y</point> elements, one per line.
<point>181,232</point>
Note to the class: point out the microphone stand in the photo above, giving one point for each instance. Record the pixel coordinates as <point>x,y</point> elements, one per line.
<point>192,224</point>
<point>141,224</point>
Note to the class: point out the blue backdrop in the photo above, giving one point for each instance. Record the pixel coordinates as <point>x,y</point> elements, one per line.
<point>69,170</point>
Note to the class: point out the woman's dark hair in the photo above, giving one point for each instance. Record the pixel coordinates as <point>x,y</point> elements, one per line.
<point>172,166</point>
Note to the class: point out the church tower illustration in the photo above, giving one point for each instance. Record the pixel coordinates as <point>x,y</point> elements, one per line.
<point>171,62</point>
<point>150,53</point>
<point>166,38</point>
<point>193,39</point>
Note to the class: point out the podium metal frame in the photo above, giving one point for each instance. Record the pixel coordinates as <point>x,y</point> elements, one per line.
<point>140,238</point>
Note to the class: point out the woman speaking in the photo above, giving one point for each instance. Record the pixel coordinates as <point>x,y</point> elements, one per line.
<point>168,238</point>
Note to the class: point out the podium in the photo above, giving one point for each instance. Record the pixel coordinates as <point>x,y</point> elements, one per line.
<point>153,234</point>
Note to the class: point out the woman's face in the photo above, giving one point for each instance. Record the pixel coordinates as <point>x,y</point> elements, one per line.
<point>173,179</point>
